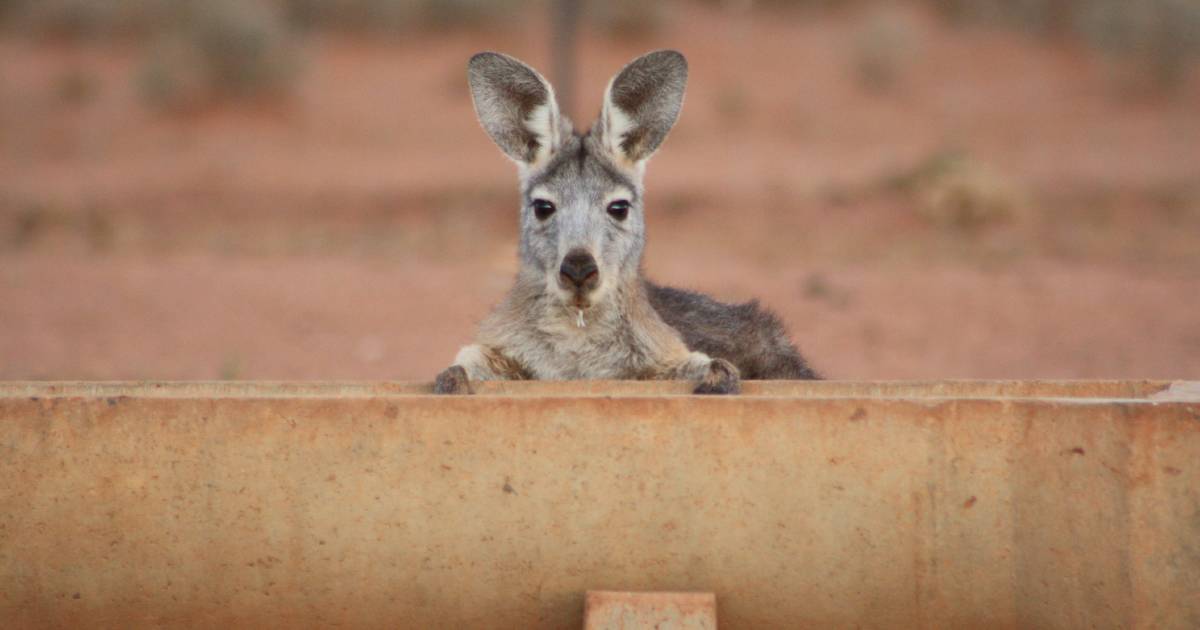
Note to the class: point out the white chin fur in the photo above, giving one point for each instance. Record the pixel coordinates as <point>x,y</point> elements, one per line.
<point>567,298</point>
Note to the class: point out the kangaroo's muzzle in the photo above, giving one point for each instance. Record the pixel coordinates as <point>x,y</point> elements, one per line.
<point>578,272</point>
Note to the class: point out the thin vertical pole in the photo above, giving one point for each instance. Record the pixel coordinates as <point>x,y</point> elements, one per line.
<point>565,23</point>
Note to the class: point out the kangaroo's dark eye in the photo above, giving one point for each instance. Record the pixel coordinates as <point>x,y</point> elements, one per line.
<point>618,209</point>
<point>542,209</point>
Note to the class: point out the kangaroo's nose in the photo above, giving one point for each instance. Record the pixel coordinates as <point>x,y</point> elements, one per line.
<point>578,270</point>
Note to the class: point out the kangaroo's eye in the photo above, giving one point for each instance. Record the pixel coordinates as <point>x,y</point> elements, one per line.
<point>542,209</point>
<point>618,209</point>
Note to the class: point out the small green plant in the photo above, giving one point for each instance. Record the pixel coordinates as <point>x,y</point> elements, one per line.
<point>231,368</point>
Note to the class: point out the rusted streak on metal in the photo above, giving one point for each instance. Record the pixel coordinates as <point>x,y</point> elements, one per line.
<point>615,610</point>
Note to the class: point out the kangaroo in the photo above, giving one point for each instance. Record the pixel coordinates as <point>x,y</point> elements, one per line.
<point>580,307</point>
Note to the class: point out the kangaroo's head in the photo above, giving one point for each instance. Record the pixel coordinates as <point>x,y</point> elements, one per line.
<point>582,222</point>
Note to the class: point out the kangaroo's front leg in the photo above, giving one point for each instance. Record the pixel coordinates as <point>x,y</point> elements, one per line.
<point>713,376</point>
<point>477,363</point>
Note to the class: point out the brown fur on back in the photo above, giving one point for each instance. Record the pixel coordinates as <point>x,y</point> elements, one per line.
<point>747,335</point>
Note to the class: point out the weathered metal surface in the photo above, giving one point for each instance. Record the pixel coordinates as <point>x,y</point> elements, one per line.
<point>617,610</point>
<point>924,390</point>
<point>873,505</point>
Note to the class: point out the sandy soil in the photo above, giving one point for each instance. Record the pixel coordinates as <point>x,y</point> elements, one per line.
<point>361,229</point>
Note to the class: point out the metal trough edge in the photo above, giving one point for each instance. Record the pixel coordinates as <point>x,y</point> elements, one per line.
<point>832,504</point>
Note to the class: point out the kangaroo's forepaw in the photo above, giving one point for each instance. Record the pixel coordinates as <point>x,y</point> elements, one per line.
<point>452,380</point>
<point>722,378</point>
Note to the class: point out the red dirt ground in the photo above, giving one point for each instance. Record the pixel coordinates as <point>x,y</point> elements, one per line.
<point>360,230</point>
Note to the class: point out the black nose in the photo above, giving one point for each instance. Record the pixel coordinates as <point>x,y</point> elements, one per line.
<point>578,270</point>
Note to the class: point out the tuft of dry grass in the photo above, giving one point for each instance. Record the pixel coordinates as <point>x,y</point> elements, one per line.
<point>884,48</point>
<point>952,190</point>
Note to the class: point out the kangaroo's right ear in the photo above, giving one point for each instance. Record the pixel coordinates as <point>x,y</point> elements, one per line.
<point>516,107</point>
<point>641,105</point>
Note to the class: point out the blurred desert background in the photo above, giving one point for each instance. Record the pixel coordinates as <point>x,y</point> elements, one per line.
<point>225,189</point>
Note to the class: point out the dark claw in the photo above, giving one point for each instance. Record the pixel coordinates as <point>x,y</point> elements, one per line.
<point>722,378</point>
<point>452,380</point>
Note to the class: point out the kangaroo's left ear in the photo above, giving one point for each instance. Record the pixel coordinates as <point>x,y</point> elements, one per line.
<point>641,105</point>
<point>516,106</point>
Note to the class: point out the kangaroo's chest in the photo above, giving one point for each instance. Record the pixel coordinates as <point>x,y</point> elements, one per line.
<point>565,351</point>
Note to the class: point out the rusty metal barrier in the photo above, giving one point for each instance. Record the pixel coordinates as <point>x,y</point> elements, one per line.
<point>940,504</point>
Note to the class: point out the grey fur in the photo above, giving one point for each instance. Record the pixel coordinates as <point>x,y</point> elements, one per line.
<point>506,92</point>
<point>617,326</point>
<point>749,336</point>
<point>649,92</point>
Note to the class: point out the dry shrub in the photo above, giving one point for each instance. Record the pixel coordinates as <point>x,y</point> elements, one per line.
<point>220,50</point>
<point>1161,36</point>
<point>96,19</point>
<point>459,12</point>
<point>884,48</point>
<point>954,191</point>
<point>84,19</point>
<point>390,17</point>
<point>627,18</point>
<point>359,16</point>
